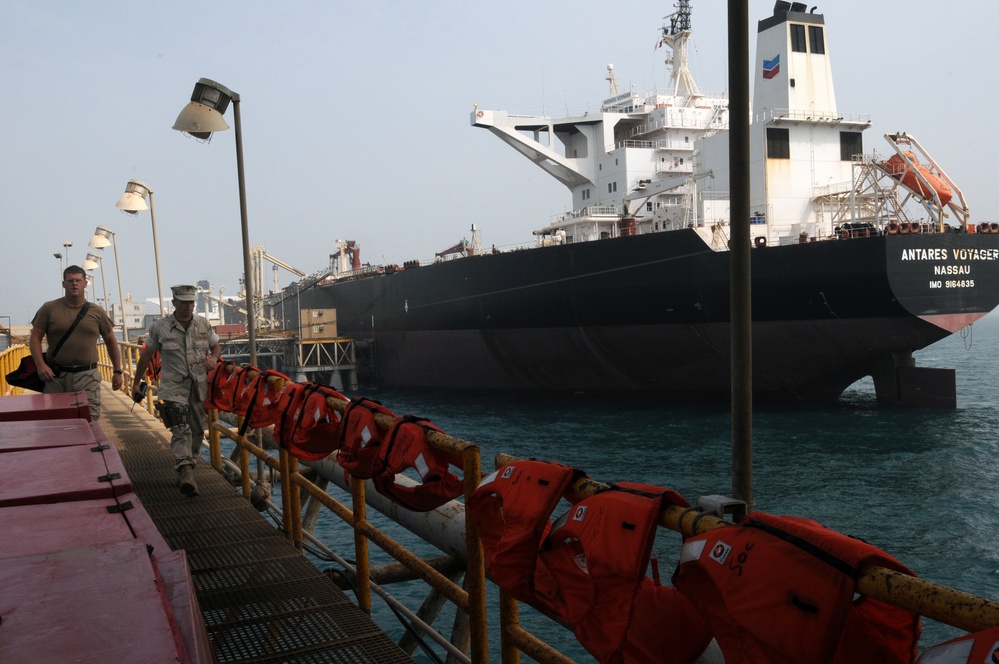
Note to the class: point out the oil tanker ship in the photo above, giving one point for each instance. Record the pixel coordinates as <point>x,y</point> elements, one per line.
<point>858,260</point>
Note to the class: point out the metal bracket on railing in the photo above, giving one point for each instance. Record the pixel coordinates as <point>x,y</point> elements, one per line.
<point>722,505</point>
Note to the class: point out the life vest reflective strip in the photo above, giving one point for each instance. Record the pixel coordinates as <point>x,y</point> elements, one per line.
<point>406,448</point>
<point>223,380</point>
<point>781,589</point>
<point>511,509</point>
<point>978,648</point>
<point>290,410</point>
<point>360,438</point>
<point>595,558</point>
<point>316,430</point>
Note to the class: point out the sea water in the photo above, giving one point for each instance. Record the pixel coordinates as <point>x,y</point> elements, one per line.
<point>919,484</point>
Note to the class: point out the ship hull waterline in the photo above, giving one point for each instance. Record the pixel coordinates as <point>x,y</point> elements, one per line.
<point>650,314</point>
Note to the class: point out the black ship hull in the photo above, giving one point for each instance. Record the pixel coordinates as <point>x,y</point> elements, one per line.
<point>650,313</point>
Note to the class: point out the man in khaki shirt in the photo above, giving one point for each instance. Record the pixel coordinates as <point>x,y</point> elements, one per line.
<point>188,349</point>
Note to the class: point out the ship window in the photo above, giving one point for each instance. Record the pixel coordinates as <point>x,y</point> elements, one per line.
<point>798,38</point>
<point>816,39</point>
<point>612,187</point>
<point>850,143</point>
<point>648,206</point>
<point>778,144</point>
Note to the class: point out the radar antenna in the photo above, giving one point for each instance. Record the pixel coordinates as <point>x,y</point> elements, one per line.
<point>613,81</point>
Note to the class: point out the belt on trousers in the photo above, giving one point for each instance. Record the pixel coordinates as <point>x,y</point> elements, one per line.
<point>84,367</point>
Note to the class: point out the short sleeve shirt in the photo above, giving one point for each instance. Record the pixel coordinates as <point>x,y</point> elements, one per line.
<point>182,353</point>
<point>55,317</point>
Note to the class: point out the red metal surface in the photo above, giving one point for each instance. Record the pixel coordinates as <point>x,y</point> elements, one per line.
<point>180,591</point>
<point>38,434</point>
<point>44,407</point>
<point>58,474</point>
<point>93,604</point>
<point>44,528</point>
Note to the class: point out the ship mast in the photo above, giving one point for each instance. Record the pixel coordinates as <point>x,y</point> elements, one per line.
<point>675,36</point>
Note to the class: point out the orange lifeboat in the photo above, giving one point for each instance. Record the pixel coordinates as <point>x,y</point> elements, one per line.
<point>900,170</point>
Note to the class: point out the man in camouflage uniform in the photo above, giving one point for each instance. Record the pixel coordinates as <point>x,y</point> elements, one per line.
<point>188,348</point>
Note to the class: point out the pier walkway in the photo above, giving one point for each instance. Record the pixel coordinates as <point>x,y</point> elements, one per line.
<point>261,599</point>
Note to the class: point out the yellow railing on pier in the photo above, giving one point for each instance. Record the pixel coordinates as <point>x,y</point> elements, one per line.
<point>471,599</point>
<point>10,359</point>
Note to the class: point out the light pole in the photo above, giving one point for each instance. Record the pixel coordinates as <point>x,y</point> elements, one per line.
<point>200,118</point>
<point>102,238</point>
<point>133,200</point>
<point>58,257</point>
<point>94,260</point>
<point>66,246</point>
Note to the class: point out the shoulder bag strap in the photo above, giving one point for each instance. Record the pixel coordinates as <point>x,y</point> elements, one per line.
<point>79,317</point>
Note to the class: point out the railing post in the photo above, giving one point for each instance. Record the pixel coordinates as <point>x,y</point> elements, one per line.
<point>362,563</point>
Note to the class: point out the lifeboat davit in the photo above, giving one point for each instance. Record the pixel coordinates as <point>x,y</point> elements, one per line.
<point>904,172</point>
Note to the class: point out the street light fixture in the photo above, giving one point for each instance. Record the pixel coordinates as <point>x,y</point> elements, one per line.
<point>133,200</point>
<point>200,118</point>
<point>102,238</point>
<point>93,261</point>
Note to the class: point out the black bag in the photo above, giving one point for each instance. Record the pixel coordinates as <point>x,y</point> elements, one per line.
<point>26,375</point>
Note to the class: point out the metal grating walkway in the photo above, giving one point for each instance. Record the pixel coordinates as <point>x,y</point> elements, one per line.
<point>262,600</point>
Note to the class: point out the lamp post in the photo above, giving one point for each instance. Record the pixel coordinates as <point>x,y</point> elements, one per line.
<point>66,246</point>
<point>58,257</point>
<point>133,200</point>
<point>102,238</point>
<point>94,260</point>
<point>200,118</point>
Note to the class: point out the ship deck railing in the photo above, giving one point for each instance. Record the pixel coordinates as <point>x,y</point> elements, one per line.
<point>936,602</point>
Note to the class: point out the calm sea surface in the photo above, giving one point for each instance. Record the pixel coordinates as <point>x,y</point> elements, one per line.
<point>920,484</point>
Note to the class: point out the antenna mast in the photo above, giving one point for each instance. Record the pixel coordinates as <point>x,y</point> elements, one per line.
<point>675,36</point>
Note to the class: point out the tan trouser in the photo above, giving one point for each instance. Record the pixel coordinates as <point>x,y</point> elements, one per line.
<point>88,381</point>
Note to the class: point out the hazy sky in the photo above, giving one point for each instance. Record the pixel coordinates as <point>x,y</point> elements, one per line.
<point>356,119</point>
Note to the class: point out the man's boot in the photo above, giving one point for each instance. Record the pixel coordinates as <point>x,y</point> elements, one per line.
<point>188,486</point>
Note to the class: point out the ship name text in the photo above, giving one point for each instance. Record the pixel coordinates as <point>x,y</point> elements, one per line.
<point>942,254</point>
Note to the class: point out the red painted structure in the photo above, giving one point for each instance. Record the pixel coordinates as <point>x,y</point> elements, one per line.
<point>86,576</point>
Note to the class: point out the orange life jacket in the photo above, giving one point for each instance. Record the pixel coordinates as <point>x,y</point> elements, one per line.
<point>316,433</point>
<point>978,648</point>
<point>360,438</point>
<point>511,508</point>
<point>781,589</point>
<point>263,410</point>
<point>223,380</point>
<point>406,447</point>
<point>245,384</point>
<point>155,366</point>
<point>290,410</point>
<point>592,575</point>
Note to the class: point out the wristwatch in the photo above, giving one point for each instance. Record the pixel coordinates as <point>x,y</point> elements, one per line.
<point>119,371</point>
